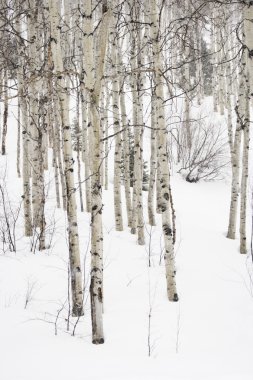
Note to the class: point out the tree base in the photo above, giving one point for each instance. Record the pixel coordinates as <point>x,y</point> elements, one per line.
<point>77,311</point>
<point>174,298</point>
<point>98,341</point>
<point>141,242</point>
<point>231,235</point>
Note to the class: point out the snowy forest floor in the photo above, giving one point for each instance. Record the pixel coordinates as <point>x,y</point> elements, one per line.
<point>206,335</point>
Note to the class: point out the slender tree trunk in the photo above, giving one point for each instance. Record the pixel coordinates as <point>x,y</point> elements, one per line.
<point>236,154</point>
<point>214,63</point>
<point>5,114</point>
<point>19,140</point>
<point>106,127</point>
<point>244,178</point>
<point>25,134</point>
<point>79,149</point>
<point>126,151</point>
<point>248,30</point>
<point>37,126</point>
<point>93,84</point>
<point>75,265</point>
<point>186,88</point>
<point>118,139</point>
<point>153,163</point>
<point>137,93</point>
<point>85,152</point>
<point>163,159</point>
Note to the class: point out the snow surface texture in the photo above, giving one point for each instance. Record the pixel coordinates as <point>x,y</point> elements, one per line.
<point>207,335</point>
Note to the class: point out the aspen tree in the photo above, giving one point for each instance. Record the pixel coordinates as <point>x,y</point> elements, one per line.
<point>86,147</point>
<point>59,148</point>
<point>153,132</point>
<point>247,34</point>
<point>248,30</point>
<point>5,113</point>
<point>106,127</point>
<point>36,117</point>
<point>78,143</point>
<point>137,82</point>
<point>53,126</point>
<point>25,129</point>
<point>85,150</point>
<point>162,157</point>
<point>236,151</point>
<point>18,140</point>
<point>221,66</point>
<point>94,68</point>
<point>229,94</point>
<point>153,162</point>
<point>118,139</point>
<point>102,122</point>
<point>231,78</point>
<point>56,173</point>
<point>126,150</point>
<point>214,61</point>
<point>199,66</point>
<point>186,87</point>
<point>74,256</point>
<point>244,178</point>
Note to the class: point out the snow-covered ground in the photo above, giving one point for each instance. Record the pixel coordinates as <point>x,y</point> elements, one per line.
<point>208,334</point>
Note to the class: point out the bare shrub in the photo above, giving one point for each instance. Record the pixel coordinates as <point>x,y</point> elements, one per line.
<point>207,155</point>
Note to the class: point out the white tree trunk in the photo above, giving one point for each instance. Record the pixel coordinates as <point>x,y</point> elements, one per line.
<point>85,151</point>
<point>75,265</point>
<point>5,113</point>
<point>106,127</point>
<point>118,139</point>
<point>236,154</point>
<point>93,83</point>
<point>126,151</point>
<point>163,159</point>
<point>137,82</point>
<point>248,30</point>
<point>153,163</point>
<point>25,135</point>
<point>244,178</point>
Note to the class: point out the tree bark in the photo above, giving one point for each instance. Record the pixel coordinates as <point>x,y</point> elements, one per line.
<point>74,256</point>
<point>163,158</point>
<point>93,84</point>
